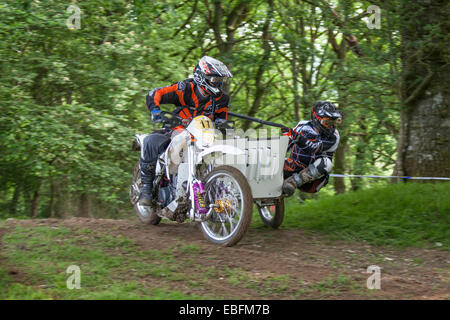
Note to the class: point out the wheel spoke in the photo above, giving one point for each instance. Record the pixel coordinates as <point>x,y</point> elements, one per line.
<point>223,189</point>
<point>224,228</point>
<point>231,223</point>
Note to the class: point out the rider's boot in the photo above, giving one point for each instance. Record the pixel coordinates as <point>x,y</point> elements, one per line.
<point>298,179</point>
<point>147,177</point>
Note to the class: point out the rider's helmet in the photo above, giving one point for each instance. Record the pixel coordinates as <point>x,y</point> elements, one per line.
<point>325,116</point>
<point>210,74</point>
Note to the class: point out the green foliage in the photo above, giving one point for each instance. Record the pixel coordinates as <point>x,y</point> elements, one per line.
<point>72,100</point>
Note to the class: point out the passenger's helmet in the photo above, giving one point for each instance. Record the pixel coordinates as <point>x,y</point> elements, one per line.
<point>325,116</point>
<point>210,74</point>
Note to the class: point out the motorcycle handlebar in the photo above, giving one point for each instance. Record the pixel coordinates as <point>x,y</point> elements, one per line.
<point>172,120</point>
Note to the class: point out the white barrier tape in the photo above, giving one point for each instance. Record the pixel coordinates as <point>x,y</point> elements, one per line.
<point>387,177</point>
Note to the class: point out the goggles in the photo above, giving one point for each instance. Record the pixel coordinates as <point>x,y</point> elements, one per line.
<point>215,80</point>
<point>330,123</point>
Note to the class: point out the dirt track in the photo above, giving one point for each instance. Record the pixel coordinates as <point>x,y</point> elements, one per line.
<point>316,267</point>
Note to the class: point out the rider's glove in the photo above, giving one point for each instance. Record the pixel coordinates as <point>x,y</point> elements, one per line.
<point>156,115</point>
<point>218,124</point>
<point>219,121</point>
<point>224,125</point>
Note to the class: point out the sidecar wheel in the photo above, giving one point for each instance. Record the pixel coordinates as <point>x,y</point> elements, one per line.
<point>272,215</point>
<point>147,215</point>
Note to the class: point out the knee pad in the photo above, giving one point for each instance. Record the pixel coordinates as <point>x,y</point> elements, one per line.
<point>322,165</point>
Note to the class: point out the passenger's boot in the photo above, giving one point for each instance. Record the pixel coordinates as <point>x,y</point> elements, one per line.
<point>147,177</point>
<point>298,179</point>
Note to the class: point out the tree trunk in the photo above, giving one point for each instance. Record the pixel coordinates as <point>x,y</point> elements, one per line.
<point>360,156</point>
<point>84,206</point>
<point>339,161</point>
<point>295,75</point>
<point>52,198</point>
<point>401,143</point>
<point>340,155</point>
<point>35,202</point>
<point>15,199</point>
<point>27,197</point>
<point>260,87</point>
<point>424,139</point>
<point>65,206</point>
<point>339,166</point>
<point>237,14</point>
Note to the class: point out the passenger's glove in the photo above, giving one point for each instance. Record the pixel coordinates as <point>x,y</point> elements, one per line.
<point>156,116</point>
<point>285,131</point>
<point>291,133</point>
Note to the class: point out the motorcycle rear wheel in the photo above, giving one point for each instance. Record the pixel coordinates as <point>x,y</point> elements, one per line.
<point>228,188</point>
<point>147,215</point>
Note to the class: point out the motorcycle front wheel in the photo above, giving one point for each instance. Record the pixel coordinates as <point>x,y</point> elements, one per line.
<point>227,188</point>
<point>147,215</point>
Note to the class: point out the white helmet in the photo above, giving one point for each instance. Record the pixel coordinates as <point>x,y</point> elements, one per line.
<point>210,74</point>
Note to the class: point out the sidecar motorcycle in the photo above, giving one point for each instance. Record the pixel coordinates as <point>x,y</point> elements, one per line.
<point>214,182</point>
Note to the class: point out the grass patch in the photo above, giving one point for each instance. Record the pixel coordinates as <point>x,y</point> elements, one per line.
<point>111,267</point>
<point>190,249</point>
<point>265,285</point>
<point>332,286</point>
<point>413,214</point>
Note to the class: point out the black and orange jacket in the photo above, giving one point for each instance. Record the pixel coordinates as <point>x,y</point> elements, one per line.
<point>189,100</point>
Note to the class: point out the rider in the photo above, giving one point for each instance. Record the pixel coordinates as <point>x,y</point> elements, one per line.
<point>313,145</point>
<point>201,95</point>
